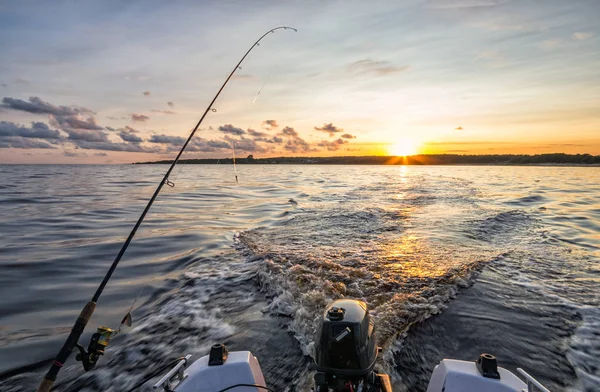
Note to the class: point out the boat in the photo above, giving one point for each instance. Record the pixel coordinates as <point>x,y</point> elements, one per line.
<point>345,360</point>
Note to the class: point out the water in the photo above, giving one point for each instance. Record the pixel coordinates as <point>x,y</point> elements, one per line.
<point>453,261</point>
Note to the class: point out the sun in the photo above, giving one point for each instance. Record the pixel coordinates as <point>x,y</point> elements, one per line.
<point>404,147</point>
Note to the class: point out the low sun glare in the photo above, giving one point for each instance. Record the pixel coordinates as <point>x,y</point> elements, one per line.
<point>404,147</point>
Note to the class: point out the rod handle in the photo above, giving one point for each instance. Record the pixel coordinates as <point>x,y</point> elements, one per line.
<point>61,358</point>
<point>45,385</point>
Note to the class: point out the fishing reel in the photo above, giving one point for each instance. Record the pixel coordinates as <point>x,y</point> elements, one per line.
<point>346,350</point>
<point>98,343</point>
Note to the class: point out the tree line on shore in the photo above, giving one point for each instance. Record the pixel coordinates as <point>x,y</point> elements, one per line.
<point>424,159</point>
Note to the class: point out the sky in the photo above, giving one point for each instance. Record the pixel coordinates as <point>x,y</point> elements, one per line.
<point>126,81</point>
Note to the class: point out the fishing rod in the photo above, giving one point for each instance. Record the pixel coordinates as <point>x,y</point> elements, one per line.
<point>100,339</point>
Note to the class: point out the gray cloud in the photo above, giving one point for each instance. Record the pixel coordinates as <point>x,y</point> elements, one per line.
<point>37,130</point>
<point>69,153</point>
<point>146,93</point>
<point>247,145</point>
<point>139,117</point>
<point>252,132</point>
<point>129,135</point>
<point>100,154</point>
<point>334,145</point>
<point>76,122</point>
<point>22,142</point>
<point>348,136</point>
<point>110,146</point>
<point>166,139</point>
<point>37,106</point>
<point>295,143</point>
<point>289,131</point>
<point>199,144</point>
<point>87,135</point>
<point>329,128</point>
<point>379,68</point>
<point>230,129</point>
<point>170,103</point>
<point>271,123</point>
<point>272,140</point>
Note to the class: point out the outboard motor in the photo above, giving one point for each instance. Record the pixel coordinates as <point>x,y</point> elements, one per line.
<point>346,350</point>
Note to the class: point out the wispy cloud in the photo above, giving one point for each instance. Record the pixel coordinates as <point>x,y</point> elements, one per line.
<point>242,77</point>
<point>550,44</point>
<point>379,68</point>
<point>581,36</point>
<point>455,4</point>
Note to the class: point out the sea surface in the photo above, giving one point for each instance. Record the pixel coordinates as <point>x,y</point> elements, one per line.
<point>453,261</point>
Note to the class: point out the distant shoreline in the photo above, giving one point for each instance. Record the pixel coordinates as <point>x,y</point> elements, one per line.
<point>414,160</point>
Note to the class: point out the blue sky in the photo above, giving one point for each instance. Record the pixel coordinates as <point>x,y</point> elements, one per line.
<point>464,76</point>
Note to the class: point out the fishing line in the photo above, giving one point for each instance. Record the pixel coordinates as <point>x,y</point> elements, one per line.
<point>233,155</point>
<point>101,338</point>
<point>264,84</point>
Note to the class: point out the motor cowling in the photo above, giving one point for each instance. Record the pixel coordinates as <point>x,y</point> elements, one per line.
<point>345,342</point>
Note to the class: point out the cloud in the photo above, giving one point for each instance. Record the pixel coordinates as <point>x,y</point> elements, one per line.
<point>295,143</point>
<point>243,77</point>
<point>454,4</point>
<point>86,135</point>
<point>271,123</point>
<point>334,145</point>
<point>163,111</point>
<point>379,68</point>
<point>166,139</point>
<point>230,129</point>
<point>139,117</point>
<point>289,131</point>
<point>21,81</point>
<point>100,154</point>
<point>581,36</point>
<point>38,106</point>
<point>146,93</point>
<point>330,129</point>
<point>129,135</point>
<point>69,153</point>
<point>37,130</point>
<point>76,122</point>
<point>348,136</point>
<point>110,146</point>
<point>170,103</point>
<point>252,132</point>
<point>247,145</point>
<point>23,143</point>
<point>550,44</point>
<point>199,144</point>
